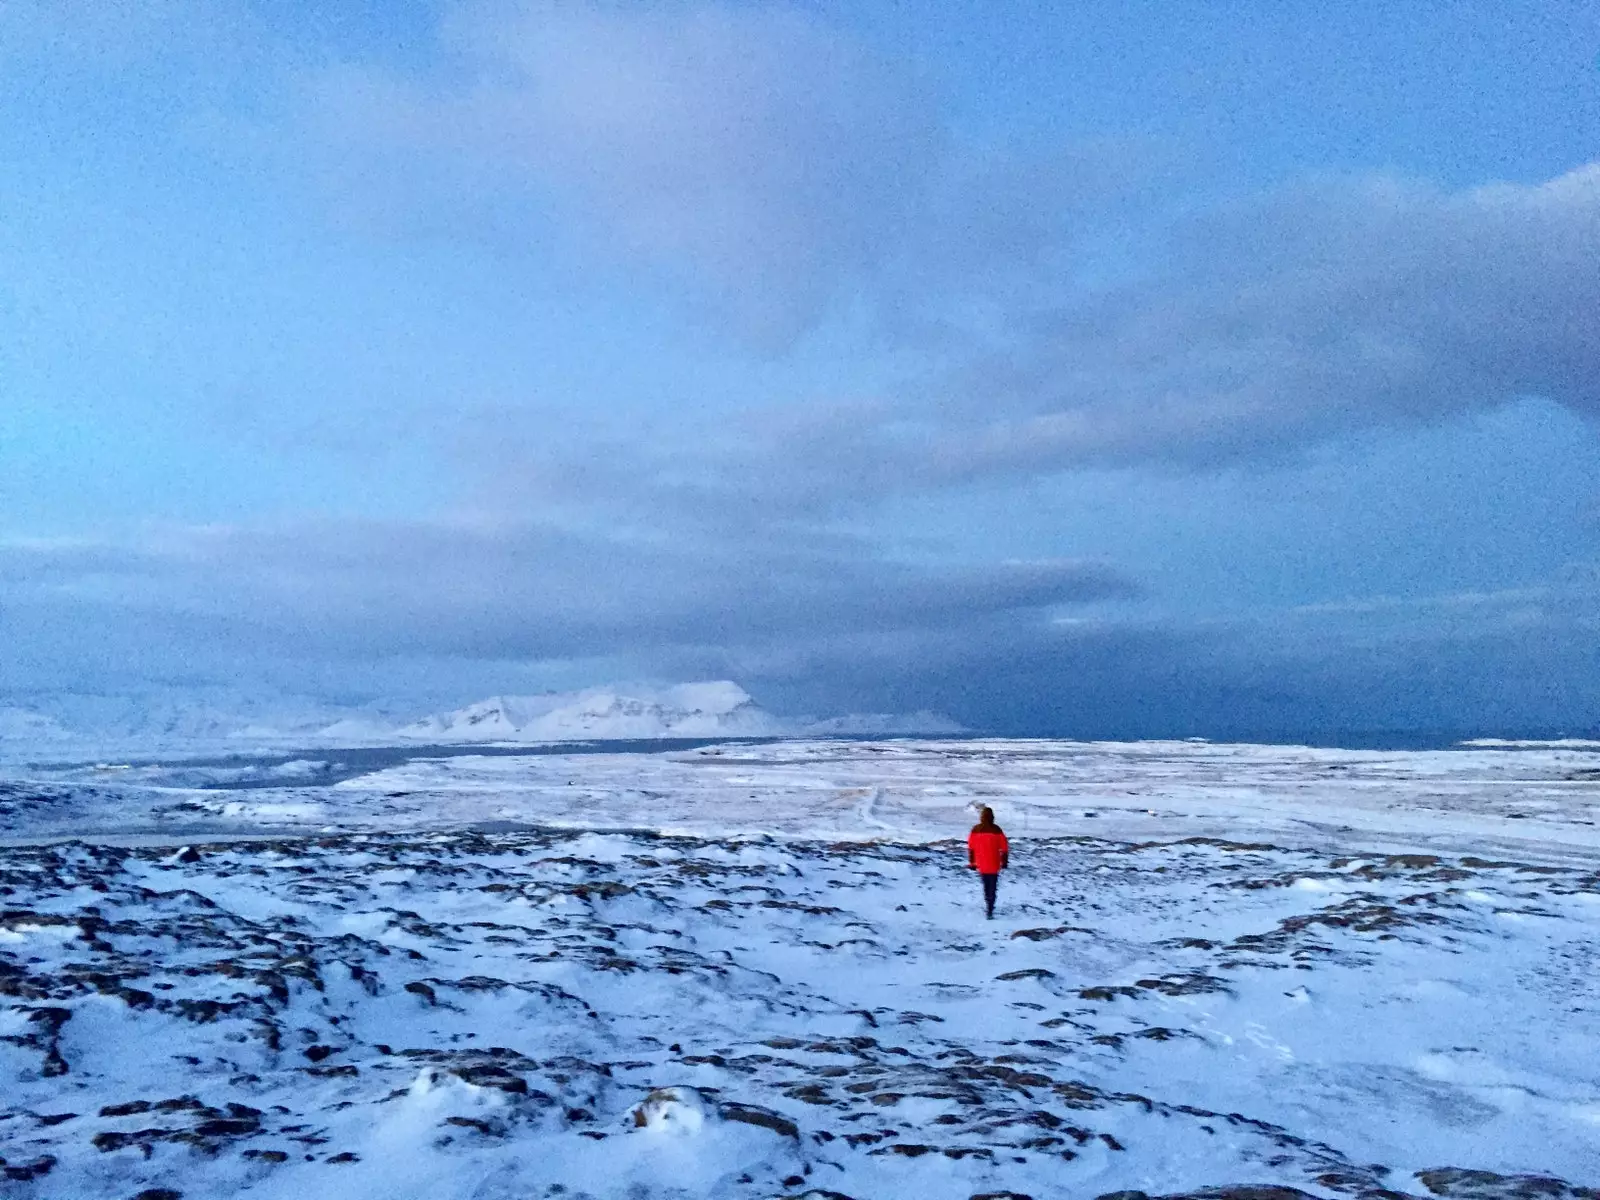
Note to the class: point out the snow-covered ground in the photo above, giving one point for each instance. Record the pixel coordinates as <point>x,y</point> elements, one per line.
<point>762,970</point>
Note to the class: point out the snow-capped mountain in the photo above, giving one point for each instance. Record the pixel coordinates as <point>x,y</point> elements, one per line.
<point>23,724</point>
<point>229,721</point>
<point>165,716</point>
<point>714,709</point>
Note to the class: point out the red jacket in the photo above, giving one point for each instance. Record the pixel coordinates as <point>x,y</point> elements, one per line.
<point>987,849</point>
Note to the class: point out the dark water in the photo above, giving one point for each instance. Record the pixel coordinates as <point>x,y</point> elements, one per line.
<point>1326,739</point>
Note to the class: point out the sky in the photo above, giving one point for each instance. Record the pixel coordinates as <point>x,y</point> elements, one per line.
<point>1118,370</point>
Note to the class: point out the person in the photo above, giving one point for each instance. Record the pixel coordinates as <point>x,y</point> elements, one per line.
<point>988,853</point>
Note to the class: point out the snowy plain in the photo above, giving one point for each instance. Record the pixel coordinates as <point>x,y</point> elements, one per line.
<point>761,969</point>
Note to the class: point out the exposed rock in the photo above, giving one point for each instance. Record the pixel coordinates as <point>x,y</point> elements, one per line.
<point>1460,1184</point>
<point>35,1169</point>
<point>751,1114</point>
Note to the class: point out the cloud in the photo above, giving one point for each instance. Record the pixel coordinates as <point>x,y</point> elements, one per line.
<point>1522,659</point>
<point>404,611</point>
<point>1066,312</point>
<point>1033,307</point>
<point>1029,310</point>
<point>1314,314</point>
<point>761,157</point>
<point>753,152</point>
<point>371,588</point>
<point>1305,318</point>
<point>1326,308</point>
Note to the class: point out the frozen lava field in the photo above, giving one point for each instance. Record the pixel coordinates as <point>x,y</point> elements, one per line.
<point>762,970</point>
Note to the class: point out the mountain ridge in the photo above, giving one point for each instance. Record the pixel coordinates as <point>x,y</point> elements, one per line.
<point>232,721</point>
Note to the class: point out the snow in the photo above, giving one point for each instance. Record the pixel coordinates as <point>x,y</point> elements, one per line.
<point>718,709</point>
<point>25,725</point>
<point>758,970</point>
<point>1527,743</point>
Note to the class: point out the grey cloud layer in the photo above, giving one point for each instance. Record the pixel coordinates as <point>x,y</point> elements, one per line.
<point>804,631</point>
<point>752,152</point>
<point>1309,315</point>
<point>525,591</point>
<point>1326,308</point>
<point>765,155</point>
<point>1074,319</point>
<point>1501,661</point>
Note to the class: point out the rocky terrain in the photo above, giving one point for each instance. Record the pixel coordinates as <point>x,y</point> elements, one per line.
<point>540,1011</point>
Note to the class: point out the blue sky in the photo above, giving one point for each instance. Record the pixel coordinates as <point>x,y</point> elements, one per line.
<point>1119,369</point>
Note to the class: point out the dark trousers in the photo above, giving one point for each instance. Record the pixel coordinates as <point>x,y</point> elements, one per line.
<point>990,882</point>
